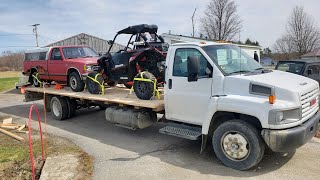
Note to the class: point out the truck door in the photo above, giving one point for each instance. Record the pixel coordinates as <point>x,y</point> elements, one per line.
<point>56,66</point>
<point>187,101</point>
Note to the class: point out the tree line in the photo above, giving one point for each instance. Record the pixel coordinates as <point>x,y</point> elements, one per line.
<point>222,22</point>
<point>11,61</point>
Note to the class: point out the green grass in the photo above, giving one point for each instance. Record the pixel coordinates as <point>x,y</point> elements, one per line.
<point>7,83</point>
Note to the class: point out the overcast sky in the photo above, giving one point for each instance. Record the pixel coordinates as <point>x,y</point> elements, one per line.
<point>263,20</point>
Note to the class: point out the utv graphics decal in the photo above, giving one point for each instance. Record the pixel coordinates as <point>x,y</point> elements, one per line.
<point>119,65</point>
<point>123,77</point>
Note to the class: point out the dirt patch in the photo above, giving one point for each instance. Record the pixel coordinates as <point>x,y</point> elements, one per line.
<point>15,160</point>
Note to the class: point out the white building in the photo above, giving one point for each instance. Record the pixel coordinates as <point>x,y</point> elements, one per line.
<point>172,38</point>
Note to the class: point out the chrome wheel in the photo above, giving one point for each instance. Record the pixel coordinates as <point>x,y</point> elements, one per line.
<point>56,108</point>
<point>235,146</point>
<point>73,82</point>
<point>35,81</point>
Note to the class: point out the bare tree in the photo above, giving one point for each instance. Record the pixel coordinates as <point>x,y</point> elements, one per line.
<point>301,36</point>
<point>221,21</point>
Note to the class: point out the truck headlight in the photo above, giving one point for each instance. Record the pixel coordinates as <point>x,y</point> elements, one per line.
<point>285,116</point>
<point>88,68</point>
<point>279,117</point>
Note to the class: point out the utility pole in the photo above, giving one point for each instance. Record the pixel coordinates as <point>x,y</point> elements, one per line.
<point>35,30</point>
<point>192,18</point>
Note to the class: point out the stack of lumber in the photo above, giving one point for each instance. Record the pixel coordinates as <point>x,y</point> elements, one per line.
<point>6,127</point>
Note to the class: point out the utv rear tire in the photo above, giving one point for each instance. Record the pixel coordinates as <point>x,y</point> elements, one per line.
<point>238,144</point>
<point>144,90</point>
<point>94,87</point>
<point>75,82</point>
<point>59,108</point>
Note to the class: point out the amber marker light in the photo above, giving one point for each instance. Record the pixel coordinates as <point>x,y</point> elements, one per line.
<point>272,99</point>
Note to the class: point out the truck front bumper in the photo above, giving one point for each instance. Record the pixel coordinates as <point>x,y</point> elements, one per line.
<point>290,139</point>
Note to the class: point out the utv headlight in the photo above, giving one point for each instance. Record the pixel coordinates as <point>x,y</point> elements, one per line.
<point>277,117</point>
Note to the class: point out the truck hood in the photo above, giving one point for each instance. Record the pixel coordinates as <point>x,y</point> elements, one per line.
<point>286,84</point>
<point>90,60</point>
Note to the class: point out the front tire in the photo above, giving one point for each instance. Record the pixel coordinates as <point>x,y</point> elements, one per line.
<point>238,144</point>
<point>144,90</point>
<point>75,82</point>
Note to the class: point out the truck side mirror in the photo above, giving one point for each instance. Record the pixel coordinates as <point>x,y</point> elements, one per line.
<point>310,72</point>
<point>193,68</point>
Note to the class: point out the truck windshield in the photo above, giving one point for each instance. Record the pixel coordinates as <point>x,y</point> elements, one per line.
<point>293,67</point>
<point>231,59</point>
<point>78,52</point>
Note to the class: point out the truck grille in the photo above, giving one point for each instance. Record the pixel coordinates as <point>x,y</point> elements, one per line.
<point>309,110</point>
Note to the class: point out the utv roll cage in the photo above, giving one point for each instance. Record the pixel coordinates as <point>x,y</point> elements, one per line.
<point>138,31</point>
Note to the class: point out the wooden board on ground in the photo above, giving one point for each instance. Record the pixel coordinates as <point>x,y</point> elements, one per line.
<point>115,95</point>
<point>11,135</point>
<point>7,121</point>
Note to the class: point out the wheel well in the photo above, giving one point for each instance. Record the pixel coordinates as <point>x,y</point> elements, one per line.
<point>71,70</point>
<point>222,116</point>
<point>32,70</point>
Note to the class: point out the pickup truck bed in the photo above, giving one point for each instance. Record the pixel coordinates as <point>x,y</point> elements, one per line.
<point>112,95</point>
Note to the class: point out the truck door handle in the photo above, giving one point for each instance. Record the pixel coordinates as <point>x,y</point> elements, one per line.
<point>170,83</point>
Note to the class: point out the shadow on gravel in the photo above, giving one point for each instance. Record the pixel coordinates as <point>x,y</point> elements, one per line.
<point>179,152</point>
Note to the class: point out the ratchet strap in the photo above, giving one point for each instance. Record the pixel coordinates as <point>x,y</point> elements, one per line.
<point>155,90</point>
<point>36,76</point>
<point>96,81</point>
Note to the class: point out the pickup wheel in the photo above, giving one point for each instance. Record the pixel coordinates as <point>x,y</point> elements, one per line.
<point>34,77</point>
<point>59,108</point>
<point>238,144</point>
<point>75,82</point>
<point>144,90</point>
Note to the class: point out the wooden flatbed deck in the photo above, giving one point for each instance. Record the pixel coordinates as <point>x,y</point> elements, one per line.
<point>112,95</point>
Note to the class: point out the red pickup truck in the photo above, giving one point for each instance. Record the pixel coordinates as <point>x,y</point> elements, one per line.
<point>62,64</point>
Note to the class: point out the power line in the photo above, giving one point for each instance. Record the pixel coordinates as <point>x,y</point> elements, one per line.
<point>15,34</point>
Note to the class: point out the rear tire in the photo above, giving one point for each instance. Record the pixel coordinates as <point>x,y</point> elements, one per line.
<point>144,90</point>
<point>94,87</point>
<point>72,105</point>
<point>75,82</point>
<point>35,82</point>
<point>238,144</point>
<point>59,108</point>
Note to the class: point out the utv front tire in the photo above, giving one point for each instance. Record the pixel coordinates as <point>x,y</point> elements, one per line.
<point>92,86</point>
<point>75,82</point>
<point>143,89</point>
<point>238,144</point>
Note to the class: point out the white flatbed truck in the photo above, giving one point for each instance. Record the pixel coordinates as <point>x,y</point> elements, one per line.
<point>213,92</point>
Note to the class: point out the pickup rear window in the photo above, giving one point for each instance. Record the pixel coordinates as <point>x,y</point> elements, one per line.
<point>36,56</point>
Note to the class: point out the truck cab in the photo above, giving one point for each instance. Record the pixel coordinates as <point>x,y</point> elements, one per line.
<point>238,104</point>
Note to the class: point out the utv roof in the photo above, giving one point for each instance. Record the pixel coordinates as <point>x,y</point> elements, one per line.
<point>142,28</point>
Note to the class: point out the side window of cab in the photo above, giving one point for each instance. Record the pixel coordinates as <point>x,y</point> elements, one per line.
<point>56,54</point>
<point>180,67</point>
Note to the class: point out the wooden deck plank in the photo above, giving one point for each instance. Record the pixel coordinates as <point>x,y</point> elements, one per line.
<point>116,95</point>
